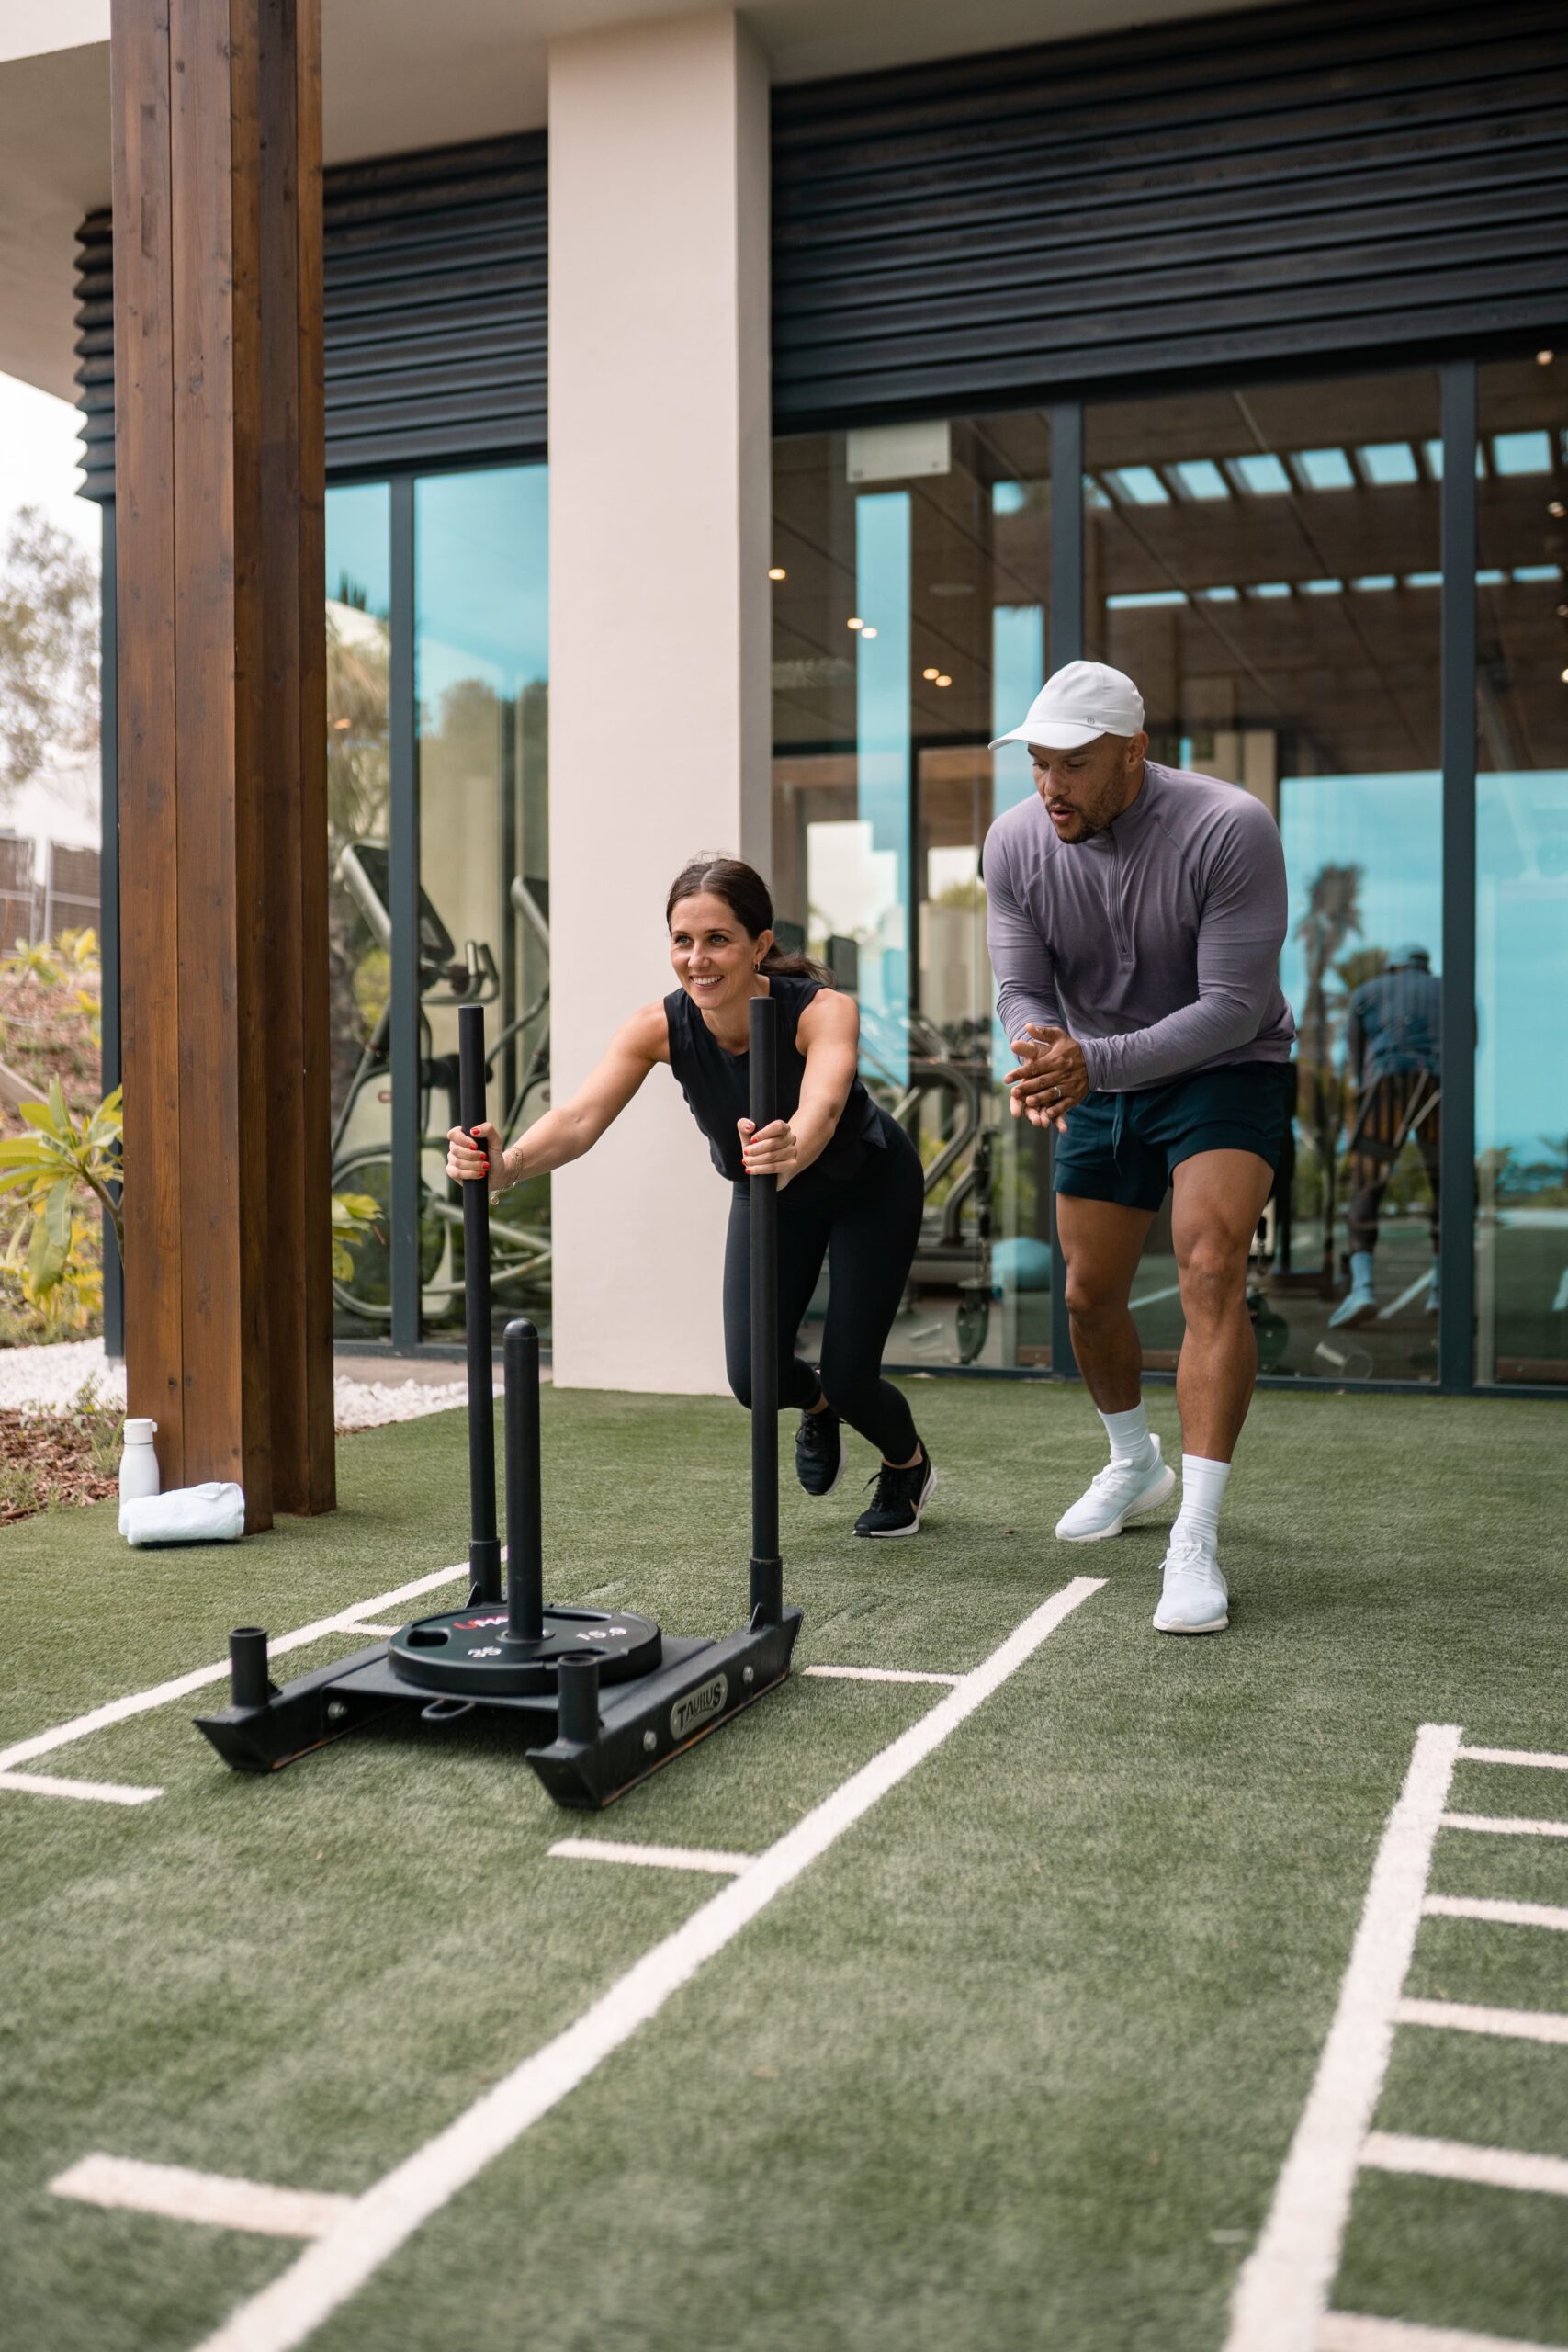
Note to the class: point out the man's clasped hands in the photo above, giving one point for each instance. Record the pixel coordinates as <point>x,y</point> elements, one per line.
<point>1050,1076</point>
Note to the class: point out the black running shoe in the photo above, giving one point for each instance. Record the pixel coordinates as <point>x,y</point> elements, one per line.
<point>821,1453</point>
<point>900,1497</point>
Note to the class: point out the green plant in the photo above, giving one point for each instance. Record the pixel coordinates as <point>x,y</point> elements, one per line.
<point>47,1169</point>
<point>354,1220</point>
<point>34,959</point>
<point>21,1489</point>
<point>70,1308</point>
<point>101,1422</point>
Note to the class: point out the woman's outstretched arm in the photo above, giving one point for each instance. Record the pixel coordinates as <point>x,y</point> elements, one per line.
<point>573,1127</point>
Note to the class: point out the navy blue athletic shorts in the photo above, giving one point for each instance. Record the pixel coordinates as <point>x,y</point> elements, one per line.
<point>1124,1148</point>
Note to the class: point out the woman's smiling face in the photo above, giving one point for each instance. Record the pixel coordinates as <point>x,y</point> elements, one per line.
<point>713,956</point>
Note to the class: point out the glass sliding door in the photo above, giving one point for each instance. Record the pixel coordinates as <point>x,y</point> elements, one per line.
<point>911,611</point>
<point>1521,846</point>
<point>481,659</point>
<point>359,930</point>
<point>472,715</point>
<point>1265,564</point>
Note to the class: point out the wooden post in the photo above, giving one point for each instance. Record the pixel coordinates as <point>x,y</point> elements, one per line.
<point>217,334</point>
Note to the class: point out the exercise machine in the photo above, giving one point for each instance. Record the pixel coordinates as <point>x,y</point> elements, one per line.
<point>600,1698</point>
<point>521,1246</point>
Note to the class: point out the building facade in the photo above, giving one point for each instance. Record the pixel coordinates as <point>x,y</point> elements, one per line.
<point>723,446</point>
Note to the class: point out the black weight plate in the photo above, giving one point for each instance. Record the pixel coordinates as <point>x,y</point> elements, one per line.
<point>467,1651</point>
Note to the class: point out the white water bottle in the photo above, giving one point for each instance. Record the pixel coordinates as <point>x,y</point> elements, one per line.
<point>138,1463</point>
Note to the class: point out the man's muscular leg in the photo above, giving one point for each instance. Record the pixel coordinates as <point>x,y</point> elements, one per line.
<point>1219,1197</point>
<point>1102,1242</point>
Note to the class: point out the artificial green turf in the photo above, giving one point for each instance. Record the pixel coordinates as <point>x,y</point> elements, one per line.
<point>1015,2063</point>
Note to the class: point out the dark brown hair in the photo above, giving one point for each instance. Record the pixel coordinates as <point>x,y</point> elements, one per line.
<point>745,893</point>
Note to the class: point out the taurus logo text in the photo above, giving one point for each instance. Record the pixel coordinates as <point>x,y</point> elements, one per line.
<point>698,1706</point>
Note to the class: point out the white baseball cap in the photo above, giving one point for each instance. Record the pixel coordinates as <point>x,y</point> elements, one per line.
<point>1083,700</point>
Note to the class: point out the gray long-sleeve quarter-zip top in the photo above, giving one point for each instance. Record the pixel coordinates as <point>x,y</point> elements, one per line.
<point>1156,943</point>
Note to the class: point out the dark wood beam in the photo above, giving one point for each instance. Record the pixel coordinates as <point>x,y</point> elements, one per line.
<point>218,469</point>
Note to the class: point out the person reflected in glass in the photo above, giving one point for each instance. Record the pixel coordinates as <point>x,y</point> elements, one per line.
<point>851,1185</point>
<point>1393,1027</point>
<point>1135,918</point>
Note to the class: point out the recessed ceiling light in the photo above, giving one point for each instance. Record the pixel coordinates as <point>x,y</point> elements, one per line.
<point>777,571</point>
<point>1544,358</point>
<point>1557,509</point>
<point>943,679</point>
<point>854,621</point>
<point>868,632</point>
<point>933,674</point>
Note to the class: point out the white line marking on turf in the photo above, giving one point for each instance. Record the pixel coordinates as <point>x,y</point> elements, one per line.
<point>45,1784</point>
<point>1386,1314</point>
<point>879,1674</point>
<point>1487,1907</point>
<point>377,2223</point>
<point>162,1694</point>
<point>1455,2160</point>
<point>1504,1825</point>
<point>1515,1756</point>
<point>1464,2017</point>
<point>1349,2332</point>
<point>657,1858</point>
<point>1283,2289</point>
<point>360,1626</point>
<point>184,2195</point>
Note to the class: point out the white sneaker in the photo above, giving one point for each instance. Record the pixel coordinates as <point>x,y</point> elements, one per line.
<point>1194,1597</point>
<point>1359,1305</point>
<point>1115,1495</point>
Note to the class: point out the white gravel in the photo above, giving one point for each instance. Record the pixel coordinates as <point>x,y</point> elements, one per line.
<point>52,1376</point>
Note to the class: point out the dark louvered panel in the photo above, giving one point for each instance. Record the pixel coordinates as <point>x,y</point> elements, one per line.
<point>94,353</point>
<point>435,297</point>
<point>1277,186</point>
<point>1237,190</point>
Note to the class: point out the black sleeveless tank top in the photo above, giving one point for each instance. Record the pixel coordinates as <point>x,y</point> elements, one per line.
<point>717,1085</point>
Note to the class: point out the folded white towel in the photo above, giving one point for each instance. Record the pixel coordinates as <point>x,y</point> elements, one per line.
<point>214,1513</point>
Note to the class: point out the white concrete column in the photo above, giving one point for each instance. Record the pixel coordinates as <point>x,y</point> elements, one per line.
<point>659,724</point>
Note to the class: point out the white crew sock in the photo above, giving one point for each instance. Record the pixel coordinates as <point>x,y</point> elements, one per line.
<point>1202,1491</point>
<point>1361,1270</point>
<point>1129,1435</point>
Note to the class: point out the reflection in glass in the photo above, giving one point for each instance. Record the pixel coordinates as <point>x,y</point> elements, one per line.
<point>1266,566</point>
<point>358,959</point>
<point>912,609</point>
<point>1521,838</point>
<point>481,562</point>
<point>882,735</point>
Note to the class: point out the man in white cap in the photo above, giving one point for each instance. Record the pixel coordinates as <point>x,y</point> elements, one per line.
<point>1136,915</point>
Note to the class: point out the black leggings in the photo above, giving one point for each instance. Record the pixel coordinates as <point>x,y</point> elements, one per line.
<point>867,1231</point>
